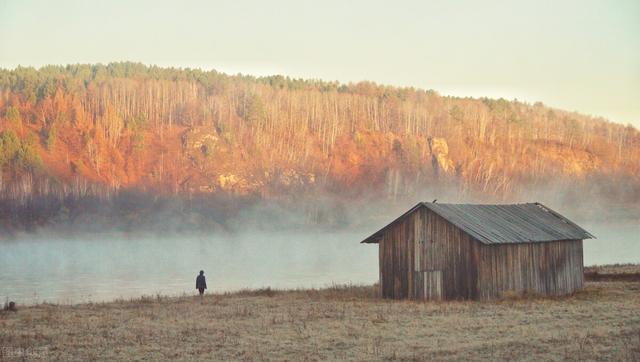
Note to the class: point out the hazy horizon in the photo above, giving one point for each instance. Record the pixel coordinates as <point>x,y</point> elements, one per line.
<point>577,56</point>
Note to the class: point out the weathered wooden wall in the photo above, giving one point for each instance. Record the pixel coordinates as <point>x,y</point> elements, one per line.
<point>423,256</point>
<point>547,268</point>
<point>396,259</point>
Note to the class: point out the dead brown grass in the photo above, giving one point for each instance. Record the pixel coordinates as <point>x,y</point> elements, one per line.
<point>613,272</point>
<point>601,322</point>
<point>613,269</point>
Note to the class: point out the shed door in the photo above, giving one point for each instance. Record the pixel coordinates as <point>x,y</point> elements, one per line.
<point>432,284</point>
<point>427,277</point>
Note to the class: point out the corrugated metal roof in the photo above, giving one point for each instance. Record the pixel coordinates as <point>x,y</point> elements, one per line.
<point>503,224</point>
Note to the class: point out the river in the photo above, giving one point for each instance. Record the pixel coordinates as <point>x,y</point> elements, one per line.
<point>106,267</point>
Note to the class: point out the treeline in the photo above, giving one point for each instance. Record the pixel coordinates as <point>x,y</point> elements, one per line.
<point>188,131</point>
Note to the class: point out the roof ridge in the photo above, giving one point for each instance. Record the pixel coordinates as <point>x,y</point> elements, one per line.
<point>471,204</point>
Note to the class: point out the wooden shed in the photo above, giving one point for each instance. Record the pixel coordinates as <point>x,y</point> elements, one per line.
<point>461,251</point>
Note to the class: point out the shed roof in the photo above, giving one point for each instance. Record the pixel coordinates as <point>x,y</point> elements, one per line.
<point>502,224</point>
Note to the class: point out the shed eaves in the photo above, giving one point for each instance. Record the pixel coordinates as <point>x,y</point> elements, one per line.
<point>503,224</point>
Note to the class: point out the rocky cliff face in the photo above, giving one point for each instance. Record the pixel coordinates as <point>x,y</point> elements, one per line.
<point>440,160</point>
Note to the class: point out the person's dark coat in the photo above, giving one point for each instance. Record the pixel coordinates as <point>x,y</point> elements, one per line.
<point>201,282</point>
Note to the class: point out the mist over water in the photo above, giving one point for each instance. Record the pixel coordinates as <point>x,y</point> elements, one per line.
<point>615,243</point>
<point>266,246</point>
<point>102,268</point>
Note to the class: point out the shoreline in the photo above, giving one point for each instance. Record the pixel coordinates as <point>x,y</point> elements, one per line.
<point>601,321</point>
<point>594,273</point>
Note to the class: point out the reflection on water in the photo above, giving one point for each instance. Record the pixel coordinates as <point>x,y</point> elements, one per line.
<point>106,268</point>
<point>99,269</point>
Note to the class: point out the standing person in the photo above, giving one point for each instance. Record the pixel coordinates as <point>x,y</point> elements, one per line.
<point>201,283</point>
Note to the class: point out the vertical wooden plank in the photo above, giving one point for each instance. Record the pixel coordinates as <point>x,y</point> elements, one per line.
<point>427,285</point>
<point>433,288</point>
<point>381,271</point>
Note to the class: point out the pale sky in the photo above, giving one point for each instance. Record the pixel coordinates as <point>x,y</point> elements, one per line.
<point>580,55</point>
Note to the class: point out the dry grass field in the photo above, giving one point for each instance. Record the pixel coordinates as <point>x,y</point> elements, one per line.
<point>601,322</point>
<point>614,268</point>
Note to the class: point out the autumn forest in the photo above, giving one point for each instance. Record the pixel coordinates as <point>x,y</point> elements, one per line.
<point>78,141</point>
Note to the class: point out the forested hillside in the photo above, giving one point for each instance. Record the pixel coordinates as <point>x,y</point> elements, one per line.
<point>74,133</point>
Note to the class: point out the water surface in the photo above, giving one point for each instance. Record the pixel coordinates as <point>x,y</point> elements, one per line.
<point>102,268</point>
<point>72,270</point>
